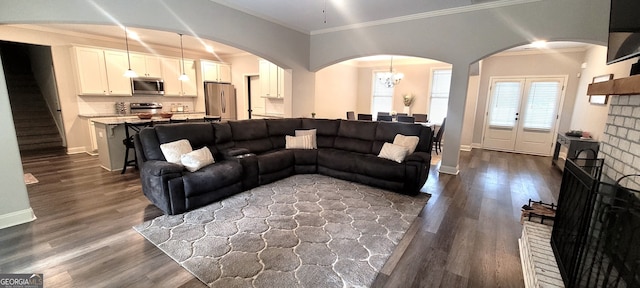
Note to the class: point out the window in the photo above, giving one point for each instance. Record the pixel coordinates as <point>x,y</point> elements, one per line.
<point>540,111</point>
<point>505,104</point>
<point>440,84</point>
<point>382,98</point>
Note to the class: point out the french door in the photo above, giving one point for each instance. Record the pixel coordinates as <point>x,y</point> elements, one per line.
<point>522,114</point>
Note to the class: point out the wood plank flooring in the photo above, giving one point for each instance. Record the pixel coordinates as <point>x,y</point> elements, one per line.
<point>465,237</point>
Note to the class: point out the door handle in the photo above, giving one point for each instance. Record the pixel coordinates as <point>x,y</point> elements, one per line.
<point>516,118</point>
<point>224,103</point>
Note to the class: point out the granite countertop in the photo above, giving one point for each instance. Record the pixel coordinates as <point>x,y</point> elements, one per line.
<point>99,115</point>
<point>273,115</point>
<point>134,119</point>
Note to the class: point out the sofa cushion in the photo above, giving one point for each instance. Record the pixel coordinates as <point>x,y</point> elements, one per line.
<point>212,177</point>
<point>339,160</point>
<point>410,142</point>
<point>312,133</point>
<point>356,136</point>
<point>198,134</point>
<point>305,157</point>
<point>387,131</point>
<point>150,144</point>
<point>275,161</point>
<point>279,128</point>
<point>223,136</point>
<point>326,130</point>
<point>376,167</point>
<point>299,142</point>
<point>252,135</point>
<point>197,159</point>
<point>393,152</point>
<point>174,150</point>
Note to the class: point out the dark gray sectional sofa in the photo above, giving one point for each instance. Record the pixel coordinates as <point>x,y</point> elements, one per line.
<point>249,153</point>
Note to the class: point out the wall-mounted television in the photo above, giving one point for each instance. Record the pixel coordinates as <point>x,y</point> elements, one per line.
<point>624,30</point>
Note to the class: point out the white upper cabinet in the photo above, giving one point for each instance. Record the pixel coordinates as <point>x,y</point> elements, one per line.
<point>146,65</point>
<point>215,72</point>
<point>171,71</point>
<point>91,71</point>
<point>100,72</point>
<point>271,80</point>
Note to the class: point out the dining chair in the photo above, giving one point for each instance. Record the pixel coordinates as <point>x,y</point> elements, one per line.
<point>365,117</point>
<point>387,118</point>
<point>131,129</point>
<point>437,142</point>
<point>402,114</point>
<point>383,113</point>
<point>351,115</point>
<point>406,119</point>
<point>420,118</point>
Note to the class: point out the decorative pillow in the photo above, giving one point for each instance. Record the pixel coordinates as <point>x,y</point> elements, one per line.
<point>172,151</point>
<point>311,132</point>
<point>411,142</point>
<point>197,159</point>
<point>393,152</point>
<point>298,142</point>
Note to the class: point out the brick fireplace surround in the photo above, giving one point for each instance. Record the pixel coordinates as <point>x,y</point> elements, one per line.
<point>620,143</point>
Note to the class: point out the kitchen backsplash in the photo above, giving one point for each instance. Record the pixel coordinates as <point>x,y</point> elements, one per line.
<point>96,105</point>
<point>620,146</point>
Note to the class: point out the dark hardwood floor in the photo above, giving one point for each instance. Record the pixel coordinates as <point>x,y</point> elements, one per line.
<point>465,237</point>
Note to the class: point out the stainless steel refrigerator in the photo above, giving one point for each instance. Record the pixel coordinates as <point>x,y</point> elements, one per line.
<point>220,100</point>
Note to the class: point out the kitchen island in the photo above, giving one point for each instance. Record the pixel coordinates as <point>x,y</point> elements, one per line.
<point>109,134</point>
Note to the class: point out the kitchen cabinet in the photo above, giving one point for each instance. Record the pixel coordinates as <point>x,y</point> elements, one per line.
<point>271,80</point>
<point>171,71</point>
<point>99,72</point>
<point>215,72</point>
<point>117,63</point>
<point>146,65</point>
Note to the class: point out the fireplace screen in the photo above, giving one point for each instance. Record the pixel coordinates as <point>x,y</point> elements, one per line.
<point>596,235</point>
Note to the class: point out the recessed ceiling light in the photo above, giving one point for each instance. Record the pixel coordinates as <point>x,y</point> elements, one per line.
<point>539,44</point>
<point>209,48</point>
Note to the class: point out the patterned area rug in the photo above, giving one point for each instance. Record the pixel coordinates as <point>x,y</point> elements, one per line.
<point>30,179</point>
<point>302,231</point>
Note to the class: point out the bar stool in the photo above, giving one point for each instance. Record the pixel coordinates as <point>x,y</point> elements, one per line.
<point>131,129</point>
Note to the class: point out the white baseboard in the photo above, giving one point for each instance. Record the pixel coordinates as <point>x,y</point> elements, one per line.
<point>76,150</point>
<point>17,218</point>
<point>448,170</point>
<point>476,145</point>
<point>466,148</point>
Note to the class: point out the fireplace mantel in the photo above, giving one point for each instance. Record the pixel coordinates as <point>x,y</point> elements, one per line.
<point>623,86</point>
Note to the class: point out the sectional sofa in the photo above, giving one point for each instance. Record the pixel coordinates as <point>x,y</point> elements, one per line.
<point>249,153</point>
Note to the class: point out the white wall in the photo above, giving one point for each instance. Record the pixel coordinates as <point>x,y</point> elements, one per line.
<point>14,207</point>
<point>592,117</point>
<point>336,91</point>
<point>243,66</point>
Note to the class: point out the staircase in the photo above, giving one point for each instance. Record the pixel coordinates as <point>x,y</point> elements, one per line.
<point>35,127</point>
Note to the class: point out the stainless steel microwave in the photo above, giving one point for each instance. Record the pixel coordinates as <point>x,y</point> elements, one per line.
<point>147,86</point>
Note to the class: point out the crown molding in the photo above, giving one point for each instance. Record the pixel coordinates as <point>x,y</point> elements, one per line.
<point>430,14</point>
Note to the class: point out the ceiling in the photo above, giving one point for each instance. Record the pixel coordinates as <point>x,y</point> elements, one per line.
<point>316,16</point>
<point>303,15</point>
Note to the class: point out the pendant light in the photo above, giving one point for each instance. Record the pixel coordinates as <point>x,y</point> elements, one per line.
<point>183,76</point>
<point>390,79</point>
<point>129,73</point>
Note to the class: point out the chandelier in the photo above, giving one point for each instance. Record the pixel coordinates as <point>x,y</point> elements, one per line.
<point>390,79</point>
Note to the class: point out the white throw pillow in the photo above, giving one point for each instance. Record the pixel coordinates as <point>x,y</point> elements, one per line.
<point>411,142</point>
<point>197,159</point>
<point>298,142</point>
<point>393,152</point>
<point>172,151</point>
<point>311,132</point>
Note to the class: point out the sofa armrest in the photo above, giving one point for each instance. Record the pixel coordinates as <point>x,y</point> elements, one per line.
<point>160,168</point>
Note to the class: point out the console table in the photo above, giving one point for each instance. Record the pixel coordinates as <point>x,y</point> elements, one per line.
<point>573,145</point>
